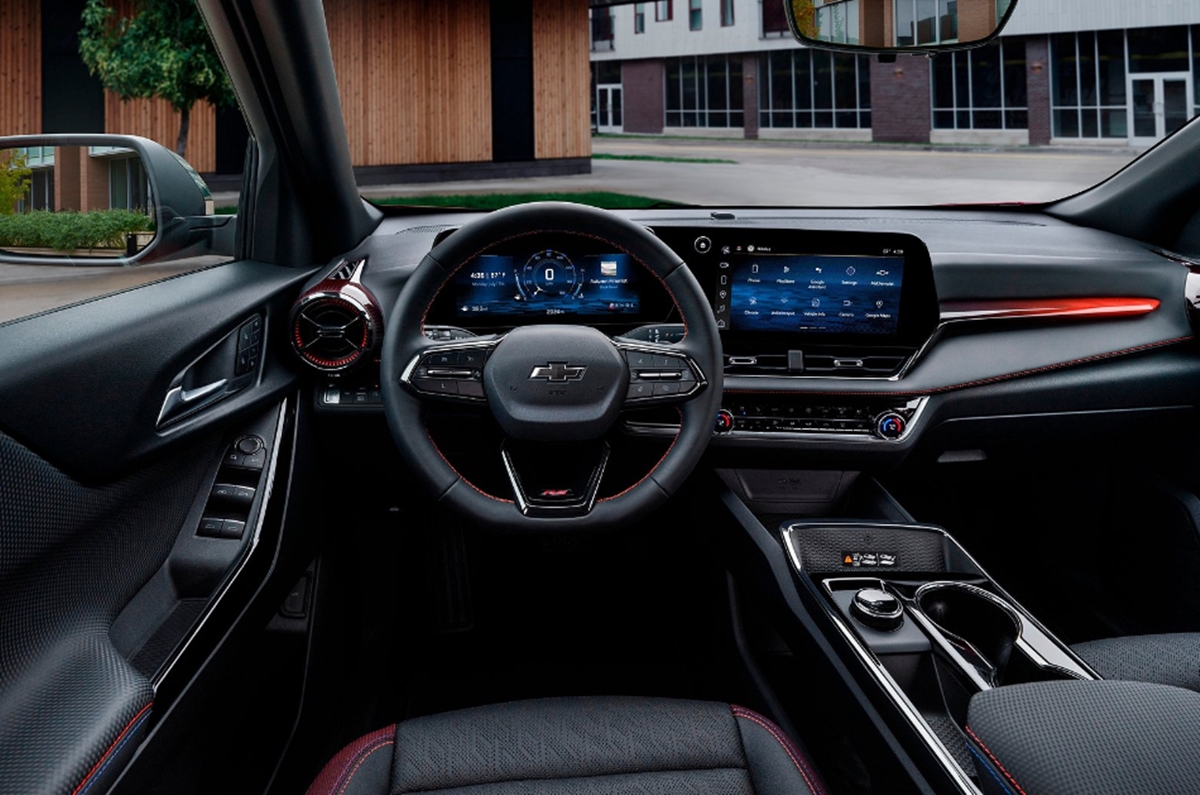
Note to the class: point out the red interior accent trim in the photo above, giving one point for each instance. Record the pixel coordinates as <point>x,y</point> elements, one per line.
<point>1048,308</point>
<point>112,747</point>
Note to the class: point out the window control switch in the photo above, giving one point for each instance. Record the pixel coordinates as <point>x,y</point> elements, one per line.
<point>210,527</point>
<point>233,495</point>
<point>233,529</point>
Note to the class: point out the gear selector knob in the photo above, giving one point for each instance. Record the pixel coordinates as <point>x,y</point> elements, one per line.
<point>877,609</point>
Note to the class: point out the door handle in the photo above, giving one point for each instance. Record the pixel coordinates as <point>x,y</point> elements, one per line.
<point>181,401</point>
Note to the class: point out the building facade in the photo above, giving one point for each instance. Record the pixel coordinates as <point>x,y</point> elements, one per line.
<point>1064,72</point>
<point>415,79</point>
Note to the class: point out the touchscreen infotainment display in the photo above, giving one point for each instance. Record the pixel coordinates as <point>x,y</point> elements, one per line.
<point>815,294</point>
<point>547,283</point>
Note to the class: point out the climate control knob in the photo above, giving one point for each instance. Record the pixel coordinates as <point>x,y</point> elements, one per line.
<point>890,425</point>
<point>724,422</point>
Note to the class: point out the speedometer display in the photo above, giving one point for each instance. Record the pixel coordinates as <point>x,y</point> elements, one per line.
<point>548,274</point>
<point>549,282</point>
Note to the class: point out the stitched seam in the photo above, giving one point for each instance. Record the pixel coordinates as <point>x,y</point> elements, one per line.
<point>362,757</point>
<point>982,382</point>
<point>438,450</point>
<point>742,712</point>
<point>657,464</point>
<point>479,784</point>
<point>996,761</point>
<point>110,754</point>
<point>990,770</point>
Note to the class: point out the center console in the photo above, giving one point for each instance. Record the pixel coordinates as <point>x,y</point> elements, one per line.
<point>928,624</point>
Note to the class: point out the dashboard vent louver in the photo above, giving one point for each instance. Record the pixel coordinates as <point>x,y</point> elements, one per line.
<point>818,363</point>
<point>330,333</point>
<point>337,323</point>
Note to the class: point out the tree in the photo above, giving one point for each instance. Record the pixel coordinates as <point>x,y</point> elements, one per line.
<point>162,49</point>
<point>15,178</point>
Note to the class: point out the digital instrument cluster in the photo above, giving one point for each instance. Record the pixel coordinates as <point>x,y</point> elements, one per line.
<point>549,282</point>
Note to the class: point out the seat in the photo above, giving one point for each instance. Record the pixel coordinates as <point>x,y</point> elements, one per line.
<point>580,746</point>
<point>1168,659</point>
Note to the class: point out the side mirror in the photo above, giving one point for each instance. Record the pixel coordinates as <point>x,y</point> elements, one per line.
<point>897,26</point>
<point>103,199</point>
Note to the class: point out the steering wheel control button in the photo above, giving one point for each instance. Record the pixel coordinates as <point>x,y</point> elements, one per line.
<point>877,609</point>
<point>703,245</point>
<point>890,426</point>
<point>639,389</point>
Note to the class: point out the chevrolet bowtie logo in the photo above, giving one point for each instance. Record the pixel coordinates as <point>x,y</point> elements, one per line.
<point>557,371</point>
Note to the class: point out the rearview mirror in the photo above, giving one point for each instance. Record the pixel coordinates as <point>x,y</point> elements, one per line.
<point>898,26</point>
<point>103,199</point>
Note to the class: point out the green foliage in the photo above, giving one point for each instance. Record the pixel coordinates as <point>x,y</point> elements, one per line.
<point>70,230</point>
<point>15,178</point>
<point>162,50</point>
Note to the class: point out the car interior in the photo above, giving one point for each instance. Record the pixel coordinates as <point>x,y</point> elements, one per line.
<point>557,499</point>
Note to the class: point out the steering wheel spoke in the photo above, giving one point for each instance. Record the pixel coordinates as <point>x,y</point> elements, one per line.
<point>452,372</point>
<point>555,480</point>
<point>659,373</point>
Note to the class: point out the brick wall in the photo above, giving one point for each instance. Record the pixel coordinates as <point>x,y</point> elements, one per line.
<point>1037,86</point>
<point>750,94</point>
<point>900,100</point>
<point>976,19</point>
<point>642,84</point>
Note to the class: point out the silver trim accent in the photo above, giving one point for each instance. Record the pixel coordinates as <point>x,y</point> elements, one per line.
<point>473,344</point>
<point>548,511</point>
<point>663,349</point>
<point>298,312</point>
<point>566,372</point>
<point>255,536</point>
<point>180,402</point>
<point>916,405</point>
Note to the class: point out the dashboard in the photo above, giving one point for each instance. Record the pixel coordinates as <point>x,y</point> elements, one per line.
<point>850,337</point>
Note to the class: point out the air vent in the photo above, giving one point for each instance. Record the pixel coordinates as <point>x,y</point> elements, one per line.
<point>331,333</point>
<point>822,362</point>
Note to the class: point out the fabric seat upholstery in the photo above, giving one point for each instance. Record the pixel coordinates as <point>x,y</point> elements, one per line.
<point>580,746</point>
<point>1169,659</point>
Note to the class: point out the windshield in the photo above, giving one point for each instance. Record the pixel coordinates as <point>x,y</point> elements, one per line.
<point>712,102</point>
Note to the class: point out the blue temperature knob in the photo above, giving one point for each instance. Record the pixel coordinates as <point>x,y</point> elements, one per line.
<point>890,425</point>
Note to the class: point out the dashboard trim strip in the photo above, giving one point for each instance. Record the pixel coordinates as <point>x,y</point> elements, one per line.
<point>937,390</point>
<point>1045,308</point>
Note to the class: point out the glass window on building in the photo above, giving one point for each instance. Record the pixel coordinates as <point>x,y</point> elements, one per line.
<point>639,17</point>
<point>837,21</point>
<point>128,187</point>
<point>602,28</point>
<point>810,89</point>
<point>726,13</point>
<point>982,89</point>
<point>663,11</point>
<point>919,22</point>
<point>695,14</point>
<point>774,20</point>
<point>704,92</point>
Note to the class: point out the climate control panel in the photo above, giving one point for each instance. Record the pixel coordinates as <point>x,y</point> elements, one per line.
<point>876,418</point>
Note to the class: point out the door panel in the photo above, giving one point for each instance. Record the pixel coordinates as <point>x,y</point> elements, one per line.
<point>94,498</point>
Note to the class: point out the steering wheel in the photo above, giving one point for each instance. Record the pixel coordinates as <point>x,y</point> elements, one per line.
<point>554,390</point>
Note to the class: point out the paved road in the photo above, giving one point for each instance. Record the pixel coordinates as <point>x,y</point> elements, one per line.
<point>764,173</point>
<point>779,173</point>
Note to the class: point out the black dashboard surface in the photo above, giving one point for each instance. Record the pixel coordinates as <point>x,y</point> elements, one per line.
<point>1015,366</point>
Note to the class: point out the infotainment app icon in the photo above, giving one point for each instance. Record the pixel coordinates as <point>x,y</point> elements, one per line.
<point>818,294</point>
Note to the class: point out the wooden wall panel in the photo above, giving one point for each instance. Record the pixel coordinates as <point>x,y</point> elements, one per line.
<point>561,79</point>
<point>414,77</point>
<point>157,120</point>
<point>20,67</point>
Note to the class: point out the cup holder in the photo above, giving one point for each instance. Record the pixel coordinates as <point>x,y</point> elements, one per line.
<point>983,629</point>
